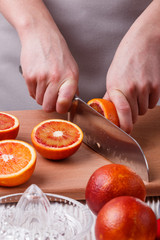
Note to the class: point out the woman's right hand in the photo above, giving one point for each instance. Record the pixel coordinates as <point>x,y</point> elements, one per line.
<point>48,67</point>
<point>133,82</point>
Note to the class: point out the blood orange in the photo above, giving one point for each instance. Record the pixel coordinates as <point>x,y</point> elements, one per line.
<point>9,126</point>
<point>56,138</point>
<point>17,162</point>
<point>110,181</point>
<point>158,229</point>
<point>126,218</point>
<point>106,108</point>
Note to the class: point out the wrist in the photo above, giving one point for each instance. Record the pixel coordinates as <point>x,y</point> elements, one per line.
<point>145,31</point>
<point>32,19</point>
<point>26,16</point>
<point>149,21</point>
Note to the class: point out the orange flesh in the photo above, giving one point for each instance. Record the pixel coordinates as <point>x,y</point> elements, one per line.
<point>13,157</point>
<point>57,134</point>
<point>6,122</point>
<point>97,108</point>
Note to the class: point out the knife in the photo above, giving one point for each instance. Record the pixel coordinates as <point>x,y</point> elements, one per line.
<point>107,139</point>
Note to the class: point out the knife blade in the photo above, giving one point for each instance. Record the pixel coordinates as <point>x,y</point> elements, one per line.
<point>107,139</point>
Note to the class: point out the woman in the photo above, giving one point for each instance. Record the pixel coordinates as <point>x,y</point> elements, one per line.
<point>63,41</point>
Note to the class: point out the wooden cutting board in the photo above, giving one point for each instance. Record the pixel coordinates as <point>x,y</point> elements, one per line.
<point>69,177</point>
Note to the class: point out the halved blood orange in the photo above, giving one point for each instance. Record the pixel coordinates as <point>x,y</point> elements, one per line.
<point>9,126</point>
<point>106,108</point>
<point>17,162</point>
<point>56,138</point>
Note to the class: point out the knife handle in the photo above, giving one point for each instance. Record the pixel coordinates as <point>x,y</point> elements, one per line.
<point>20,69</point>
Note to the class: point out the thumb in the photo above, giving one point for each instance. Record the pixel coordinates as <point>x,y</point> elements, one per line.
<point>123,109</point>
<point>106,96</point>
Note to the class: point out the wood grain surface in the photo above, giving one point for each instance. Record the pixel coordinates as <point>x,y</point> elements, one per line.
<point>69,177</point>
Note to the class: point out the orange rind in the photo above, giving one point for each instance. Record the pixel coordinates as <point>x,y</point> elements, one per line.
<point>106,108</point>
<point>17,162</point>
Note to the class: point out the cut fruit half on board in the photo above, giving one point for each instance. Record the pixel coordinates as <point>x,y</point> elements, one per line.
<point>56,138</point>
<point>17,162</point>
<point>9,126</point>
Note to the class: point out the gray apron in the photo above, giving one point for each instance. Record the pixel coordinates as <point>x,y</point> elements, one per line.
<point>93,30</point>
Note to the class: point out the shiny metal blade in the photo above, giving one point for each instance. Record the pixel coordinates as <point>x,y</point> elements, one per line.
<point>107,139</point>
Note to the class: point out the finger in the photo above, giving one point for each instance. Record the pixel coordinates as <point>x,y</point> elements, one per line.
<point>130,94</point>
<point>65,96</point>
<point>123,110</point>
<point>40,90</point>
<point>143,105</point>
<point>30,82</point>
<point>134,108</point>
<point>31,85</point>
<point>131,97</point>
<point>143,102</point>
<point>154,97</point>
<point>106,96</point>
<point>50,98</point>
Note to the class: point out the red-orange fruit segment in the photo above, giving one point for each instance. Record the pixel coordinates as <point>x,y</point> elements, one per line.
<point>56,138</point>
<point>17,162</point>
<point>106,108</point>
<point>9,126</point>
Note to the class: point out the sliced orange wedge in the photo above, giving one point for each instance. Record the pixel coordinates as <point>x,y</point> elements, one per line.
<point>106,108</point>
<point>17,162</point>
<point>56,138</point>
<point>9,126</point>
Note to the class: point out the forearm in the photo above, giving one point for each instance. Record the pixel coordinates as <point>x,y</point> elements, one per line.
<point>26,15</point>
<point>152,14</point>
<point>50,71</point>
<point>148,23</point>
<point>132,80</point>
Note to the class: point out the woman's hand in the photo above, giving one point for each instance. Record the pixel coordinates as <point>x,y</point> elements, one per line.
<point>48,67</point>
<point>133,79</point>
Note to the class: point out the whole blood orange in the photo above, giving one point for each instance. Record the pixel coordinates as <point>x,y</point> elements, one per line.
<point>17,162</point>
<point>106,108</point>
<point>126,218</point>
<point>9,126</point>
<point>56,138</point>
<point>158,229</point>
<point>110,181</point>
